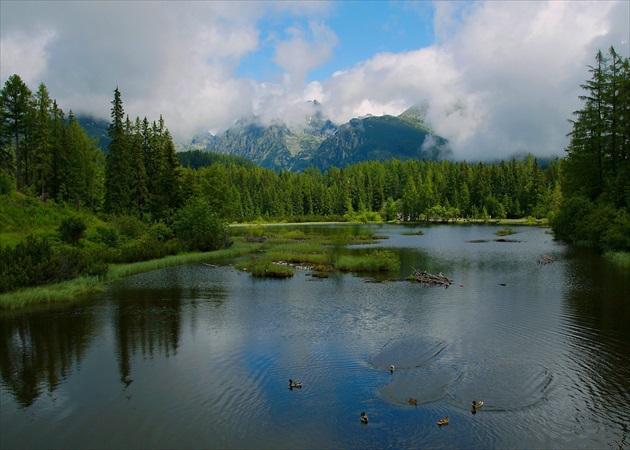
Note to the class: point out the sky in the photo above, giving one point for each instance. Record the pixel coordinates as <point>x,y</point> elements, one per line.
<point>499,77</point>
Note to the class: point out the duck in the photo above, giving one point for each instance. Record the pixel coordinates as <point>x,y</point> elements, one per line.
<point>391,368</point>
<point>444,421</point>
<point>294,384</point>
<point>413,401</point>
<point>475,406</point>
<point>364,418</point>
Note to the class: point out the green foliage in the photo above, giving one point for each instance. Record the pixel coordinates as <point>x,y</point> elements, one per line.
<point>594,201</point>
<point>71,230</point>
<point>35,261</point>
<point>616,237</point>
<point>264,267</point>
<point>160,232</point>
<point>7,186</point>
<point>377,261</point>
<point>129,227</point>
<point>199,228</point>
<point>106,235</point>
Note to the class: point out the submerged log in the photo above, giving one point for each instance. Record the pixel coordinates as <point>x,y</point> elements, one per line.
<point>431,279</point>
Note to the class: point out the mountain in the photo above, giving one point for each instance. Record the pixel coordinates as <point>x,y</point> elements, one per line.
<point>95,128</point>
<point>379,138</point>
<point>322,144</point>
<point>276,145</point>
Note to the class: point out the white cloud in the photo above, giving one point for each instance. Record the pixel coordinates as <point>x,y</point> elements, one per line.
<point>306,50</point>
<point>505,77</point>
<point>25,53</point>
<point>501,76</point>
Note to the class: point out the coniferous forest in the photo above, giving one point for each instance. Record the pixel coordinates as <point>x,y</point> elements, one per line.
<point>70,208</point>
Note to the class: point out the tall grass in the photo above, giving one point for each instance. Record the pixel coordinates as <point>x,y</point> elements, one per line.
<point>377,261</point>
<point>621,259</point>
<point>61,292</point>
<point>70,290</point>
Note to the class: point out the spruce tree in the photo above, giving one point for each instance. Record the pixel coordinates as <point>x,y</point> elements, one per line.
<point>118,174</point>
<point>15,99</point>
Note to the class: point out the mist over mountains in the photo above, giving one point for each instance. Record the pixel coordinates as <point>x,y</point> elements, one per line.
<point>323,144</point>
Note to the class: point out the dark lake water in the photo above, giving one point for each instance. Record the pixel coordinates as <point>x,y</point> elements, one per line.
<point>200,357</point>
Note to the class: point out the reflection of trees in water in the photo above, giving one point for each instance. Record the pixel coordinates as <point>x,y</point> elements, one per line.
<point>38,350</point>
<point>146,320</point>
<point>597,305</point>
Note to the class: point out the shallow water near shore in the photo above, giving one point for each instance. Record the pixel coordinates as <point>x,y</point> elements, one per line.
<point>200,357</point>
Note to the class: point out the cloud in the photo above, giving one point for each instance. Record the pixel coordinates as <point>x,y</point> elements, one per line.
<point>306,50</point>
<point>503,78</point>
<point>28,52</point>
<point>500,77</point>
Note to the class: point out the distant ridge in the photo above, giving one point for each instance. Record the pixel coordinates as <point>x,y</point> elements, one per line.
<point>323,144</point>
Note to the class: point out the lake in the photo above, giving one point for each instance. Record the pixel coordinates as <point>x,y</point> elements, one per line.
<point>200,357</point>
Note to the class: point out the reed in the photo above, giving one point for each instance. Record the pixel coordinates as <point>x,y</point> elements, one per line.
<point>378,261</point>
<point>56,293</point>
<point>264,267</point>
<point>73,289</point>
<point>621,259</point>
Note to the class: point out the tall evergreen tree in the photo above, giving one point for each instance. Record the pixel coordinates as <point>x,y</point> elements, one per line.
<point>15,99</point>
<point>118,174</point>
<point>41,139</point>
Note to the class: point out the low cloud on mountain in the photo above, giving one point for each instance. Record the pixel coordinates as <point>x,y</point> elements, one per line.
<point>499,77</point>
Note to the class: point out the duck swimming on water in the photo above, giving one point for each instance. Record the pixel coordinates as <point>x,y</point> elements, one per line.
<point>294,384</point>
<point>475,406</point>
<point>364,418</point>
<point>391,368</point>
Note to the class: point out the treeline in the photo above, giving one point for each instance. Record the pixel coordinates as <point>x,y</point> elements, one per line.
<point>596,181</point>
<point>409,191</point>
<point>43,152</point>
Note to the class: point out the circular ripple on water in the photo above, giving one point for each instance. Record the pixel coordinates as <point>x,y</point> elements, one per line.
<point>503,385</point>
<point>407,352</point>
<point>425,384</point>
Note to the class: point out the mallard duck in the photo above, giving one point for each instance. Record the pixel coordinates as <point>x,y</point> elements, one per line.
<point>444,421</point>
<point>412,401</point>
<point>475,406</point>
<point>364,418</point>
<point>294,384</point>
<point>391,368</point>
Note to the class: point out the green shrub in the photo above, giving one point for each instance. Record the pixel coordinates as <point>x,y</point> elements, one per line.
<point>160,232</point>
<point>128,226</point>
<point>35,262</point>
<point>105,235</point>
<point>616,237</point>
<point>7,185</point>
<point>199,227</point>
<point>71,230</point>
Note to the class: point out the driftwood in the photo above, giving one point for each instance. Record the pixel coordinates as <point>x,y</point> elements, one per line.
<point>546,259</point>
<point>431,279</point>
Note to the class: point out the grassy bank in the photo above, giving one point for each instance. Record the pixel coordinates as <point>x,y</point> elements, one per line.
<point>74,289</point>
<point>288,248</point>
<point>621,259</point>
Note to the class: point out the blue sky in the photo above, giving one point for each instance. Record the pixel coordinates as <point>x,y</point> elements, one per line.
<point>363,28</point>
<point>498,77</point>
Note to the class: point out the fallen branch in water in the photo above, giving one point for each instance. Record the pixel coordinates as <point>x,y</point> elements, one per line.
<point>431,279</point>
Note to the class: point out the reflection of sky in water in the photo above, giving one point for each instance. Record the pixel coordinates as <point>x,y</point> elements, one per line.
<point>504,333</point>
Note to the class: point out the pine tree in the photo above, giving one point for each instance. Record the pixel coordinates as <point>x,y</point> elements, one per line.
<point>41,139</point>
<point>118,174</point>
<point>15,99</point>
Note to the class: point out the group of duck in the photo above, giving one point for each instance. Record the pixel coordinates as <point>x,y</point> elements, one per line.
<point>412,401</point>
